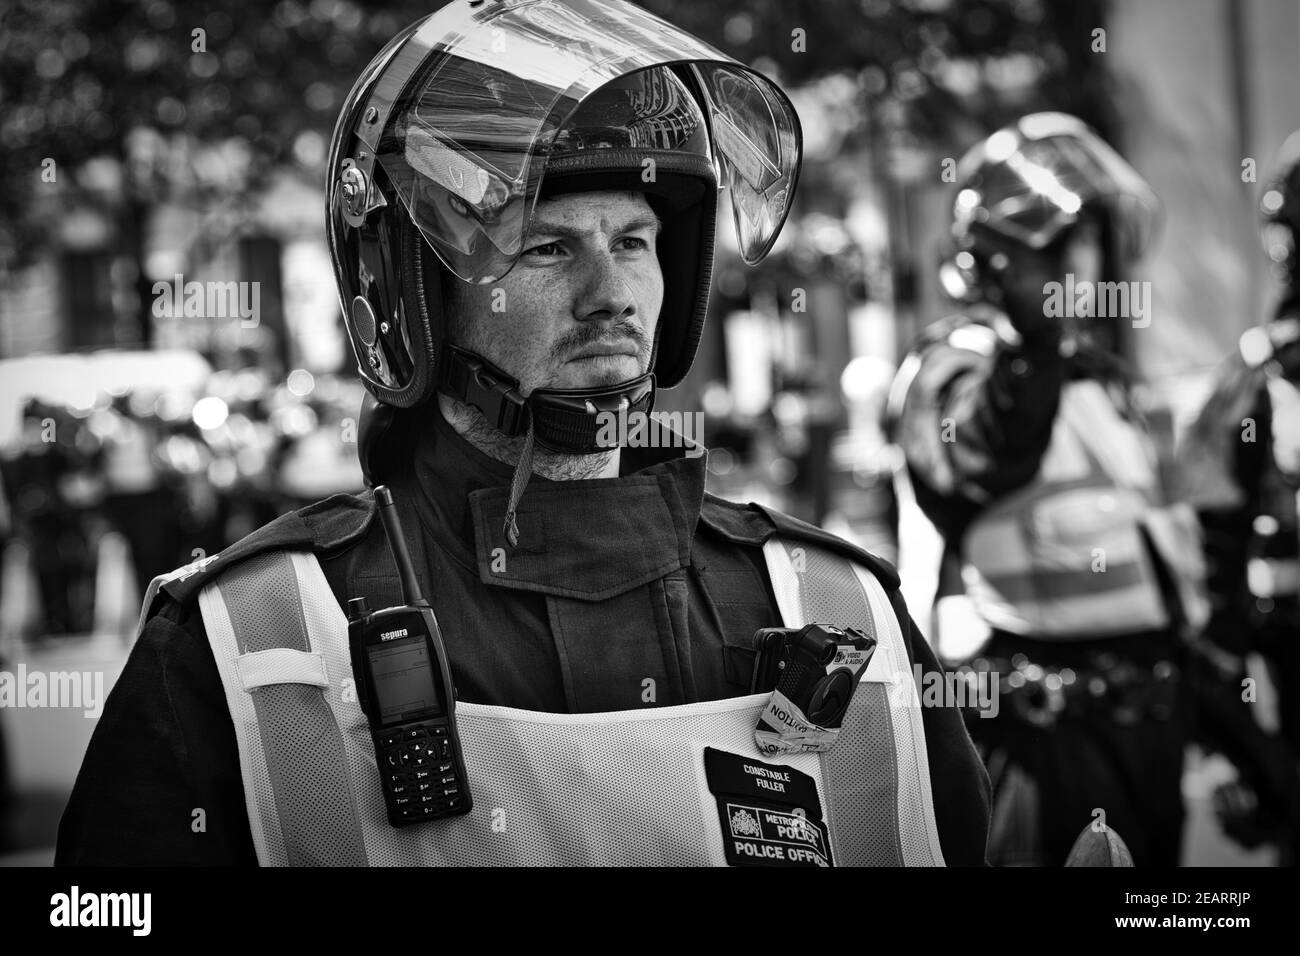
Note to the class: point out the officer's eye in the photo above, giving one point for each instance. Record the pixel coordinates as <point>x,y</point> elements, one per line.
<point>545,250</point>
<point>635,242</point>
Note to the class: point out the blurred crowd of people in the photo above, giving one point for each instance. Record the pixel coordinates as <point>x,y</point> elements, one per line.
<point>178,473</point>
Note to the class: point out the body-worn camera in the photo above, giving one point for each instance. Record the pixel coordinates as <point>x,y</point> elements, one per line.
<point>405,688</point>
<point>812,673</point>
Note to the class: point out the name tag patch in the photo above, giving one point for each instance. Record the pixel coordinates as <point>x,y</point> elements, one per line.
<point>770,814</point>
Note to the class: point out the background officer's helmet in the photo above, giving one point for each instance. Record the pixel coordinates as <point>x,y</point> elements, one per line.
<point>1028,184</point>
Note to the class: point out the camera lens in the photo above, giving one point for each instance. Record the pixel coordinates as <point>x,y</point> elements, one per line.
<point>831,697</point>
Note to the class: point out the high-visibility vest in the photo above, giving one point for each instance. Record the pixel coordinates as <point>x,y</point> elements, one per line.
<point>1067,555</point>
<point>617,788</point>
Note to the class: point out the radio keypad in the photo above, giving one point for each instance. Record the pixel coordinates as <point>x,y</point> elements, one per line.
<point>421,776</point>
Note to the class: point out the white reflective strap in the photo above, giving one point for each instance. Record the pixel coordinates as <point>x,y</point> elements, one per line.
<point>903,379</point>
<point>915,795</point>
<point>1080,616</point>
<point>1118,445</point>
<point>263,816</point>
<point>1066,459</point>
<point>281,665</point>
<point>303,752</point>
<point>328,627</point>
<point>785,583</point>
<point>890,665</point>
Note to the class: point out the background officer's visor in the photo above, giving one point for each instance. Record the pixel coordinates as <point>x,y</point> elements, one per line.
<point>466,145</point>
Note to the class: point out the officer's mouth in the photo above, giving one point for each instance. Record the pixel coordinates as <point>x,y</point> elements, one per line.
<point>603,354</point>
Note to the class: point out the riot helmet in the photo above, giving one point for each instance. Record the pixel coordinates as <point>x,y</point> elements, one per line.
<point>1028,185</point>
<point>468,117</point>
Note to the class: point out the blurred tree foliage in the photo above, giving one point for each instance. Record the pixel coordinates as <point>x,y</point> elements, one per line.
<point>121,105</point>
<point>139,102</point>
<point>944,62</point>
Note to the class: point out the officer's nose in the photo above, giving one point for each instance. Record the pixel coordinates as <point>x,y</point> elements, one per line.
<point>604,294</point>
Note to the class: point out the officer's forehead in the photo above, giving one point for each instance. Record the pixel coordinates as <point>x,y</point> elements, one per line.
<point>604,209</point>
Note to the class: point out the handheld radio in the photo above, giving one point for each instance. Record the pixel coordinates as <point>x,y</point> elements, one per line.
<point>405,689</point>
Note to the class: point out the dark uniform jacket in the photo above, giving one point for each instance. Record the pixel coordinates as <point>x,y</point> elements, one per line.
<point>613,581</point>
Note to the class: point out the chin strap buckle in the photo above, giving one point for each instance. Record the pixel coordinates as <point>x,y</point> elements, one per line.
<point>476,382</point>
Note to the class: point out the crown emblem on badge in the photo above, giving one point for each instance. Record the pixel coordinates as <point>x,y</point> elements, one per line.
<point>744,823</point>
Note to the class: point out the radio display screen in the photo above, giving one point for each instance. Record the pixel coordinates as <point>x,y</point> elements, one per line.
<point>403,676</point>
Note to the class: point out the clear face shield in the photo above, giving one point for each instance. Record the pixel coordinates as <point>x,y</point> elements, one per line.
<point>488,94</point>
<point>1031,181</point>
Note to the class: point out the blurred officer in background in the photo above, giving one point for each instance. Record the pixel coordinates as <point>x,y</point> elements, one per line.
<point>1240,467</point>
<point>317,435</point>
<point>138,502</point>
<point>51,476</point>
<point>521,210</point>
<point>238,451</point>
<point>1025,451</point>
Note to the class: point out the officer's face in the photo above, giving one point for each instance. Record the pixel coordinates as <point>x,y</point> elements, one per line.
<point>1083,252</point>
<point>1027,276</point>
<point>580,307</point>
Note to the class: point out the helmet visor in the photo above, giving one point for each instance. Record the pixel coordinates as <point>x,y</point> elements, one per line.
<point>1034,179</point>
<point>492,93</point>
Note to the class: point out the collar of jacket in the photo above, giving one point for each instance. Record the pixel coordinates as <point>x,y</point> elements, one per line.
<point>336,524</point>
<point>589,540</point>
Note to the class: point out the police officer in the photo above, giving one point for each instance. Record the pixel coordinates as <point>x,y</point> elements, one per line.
<point>138,501</point>
<point>1240,466</point>
<point>1025,451</point>
<point>51,478</point>
<point>521,211</point>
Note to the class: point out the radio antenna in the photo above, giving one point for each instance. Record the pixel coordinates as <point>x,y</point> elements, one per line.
<point>397,543</point>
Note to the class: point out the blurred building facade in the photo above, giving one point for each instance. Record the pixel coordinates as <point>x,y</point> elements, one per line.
<point>1208,91</point>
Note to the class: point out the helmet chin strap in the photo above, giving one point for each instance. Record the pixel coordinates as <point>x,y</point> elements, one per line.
<point>565,420</point>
